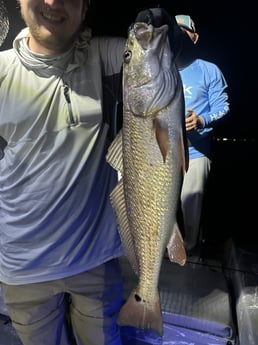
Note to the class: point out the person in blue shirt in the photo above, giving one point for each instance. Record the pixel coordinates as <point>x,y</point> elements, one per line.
<point>206,102</point>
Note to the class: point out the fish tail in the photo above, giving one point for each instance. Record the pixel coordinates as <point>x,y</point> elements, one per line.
<point>136,313</point>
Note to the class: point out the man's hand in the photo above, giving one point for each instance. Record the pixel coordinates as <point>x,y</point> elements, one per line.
<point>158,16</point>
<point>154,16</point>
<point>193,121</point>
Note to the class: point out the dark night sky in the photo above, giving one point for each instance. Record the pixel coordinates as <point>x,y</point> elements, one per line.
<point>227,38</point>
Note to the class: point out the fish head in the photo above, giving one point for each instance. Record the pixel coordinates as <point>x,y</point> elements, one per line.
<point>147,72</point>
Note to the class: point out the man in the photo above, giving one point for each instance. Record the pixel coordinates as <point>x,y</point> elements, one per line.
<point>206,102</point>
<point>59,244</point>
<point>57,228</point>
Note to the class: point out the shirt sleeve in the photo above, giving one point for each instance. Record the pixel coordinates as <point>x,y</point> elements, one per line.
<point>217,95</point>
<point>111,52</point>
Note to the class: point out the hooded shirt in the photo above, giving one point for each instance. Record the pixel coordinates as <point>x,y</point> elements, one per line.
<point>56,219</point>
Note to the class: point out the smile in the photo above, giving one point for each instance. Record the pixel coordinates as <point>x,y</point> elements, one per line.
<point>52,17</point>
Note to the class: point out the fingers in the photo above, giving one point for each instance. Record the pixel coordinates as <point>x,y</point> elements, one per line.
<point>191,121</point>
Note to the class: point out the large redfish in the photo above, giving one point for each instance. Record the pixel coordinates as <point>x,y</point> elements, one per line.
<point>151,156</point>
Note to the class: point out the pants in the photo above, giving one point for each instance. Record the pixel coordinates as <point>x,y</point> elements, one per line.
<point>192,195</point>
<point>89,302</point>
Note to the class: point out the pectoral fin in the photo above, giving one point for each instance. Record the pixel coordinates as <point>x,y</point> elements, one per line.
<point>176,248</point>
<point>162,137</point>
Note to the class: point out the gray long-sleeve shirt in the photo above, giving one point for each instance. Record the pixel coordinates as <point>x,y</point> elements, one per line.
<point>56,219</point>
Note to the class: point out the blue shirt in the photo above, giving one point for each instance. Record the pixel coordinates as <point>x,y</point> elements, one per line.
<point>205,93</point>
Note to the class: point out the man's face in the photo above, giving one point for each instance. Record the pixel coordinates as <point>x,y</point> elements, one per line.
<point>52,23</point>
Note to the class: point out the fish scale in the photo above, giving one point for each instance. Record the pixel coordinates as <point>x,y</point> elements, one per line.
<point>151,155</point>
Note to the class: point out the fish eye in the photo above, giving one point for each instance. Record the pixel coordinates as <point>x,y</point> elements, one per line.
<point>127,56</point>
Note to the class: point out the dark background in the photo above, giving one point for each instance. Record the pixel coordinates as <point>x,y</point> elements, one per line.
<point>228,37</point>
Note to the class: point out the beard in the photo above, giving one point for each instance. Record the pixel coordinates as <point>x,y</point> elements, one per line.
<point>46,34</point>
<point>58,43</point>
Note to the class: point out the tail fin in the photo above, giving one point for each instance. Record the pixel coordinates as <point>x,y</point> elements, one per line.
<point>136,312</point>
